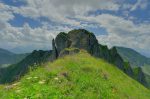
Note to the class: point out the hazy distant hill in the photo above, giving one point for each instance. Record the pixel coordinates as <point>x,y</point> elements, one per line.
<point>7,57</point>
<point>14,71</point>
<point>135,58</point>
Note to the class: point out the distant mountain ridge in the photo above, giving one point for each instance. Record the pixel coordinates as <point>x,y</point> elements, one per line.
<point>5,52</point>
<point>7,57</point>
<point>15,71</point>
<point>135,58</point>
<point>137,62</point>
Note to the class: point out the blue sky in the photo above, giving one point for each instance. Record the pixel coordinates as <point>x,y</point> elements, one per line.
<point>26,25</point>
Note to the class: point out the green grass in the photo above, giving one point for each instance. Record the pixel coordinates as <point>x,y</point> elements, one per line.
<point>78,76</point>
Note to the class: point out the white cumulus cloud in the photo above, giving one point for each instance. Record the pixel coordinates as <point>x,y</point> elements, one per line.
<point>74,13</point>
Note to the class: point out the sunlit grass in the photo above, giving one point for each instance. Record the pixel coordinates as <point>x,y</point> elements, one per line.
<point>78,76</point>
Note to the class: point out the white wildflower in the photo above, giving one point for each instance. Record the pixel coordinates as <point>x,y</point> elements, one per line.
<point>35,77</point>
<point>8,87</point>
<point>18,91</point>
<point>56,78</point>
<point>15,84</point>
<point>42,82</point>
<point>60,81</point>
<point>29,78</point>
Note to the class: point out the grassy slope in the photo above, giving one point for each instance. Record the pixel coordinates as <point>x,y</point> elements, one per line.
<point>78,76</point>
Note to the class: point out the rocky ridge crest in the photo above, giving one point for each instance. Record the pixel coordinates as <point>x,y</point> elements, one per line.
<point>82,39</point>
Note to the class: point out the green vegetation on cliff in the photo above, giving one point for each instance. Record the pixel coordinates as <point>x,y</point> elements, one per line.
<point>77,76</point>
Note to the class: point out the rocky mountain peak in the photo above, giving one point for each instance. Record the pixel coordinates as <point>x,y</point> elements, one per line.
<point>83,39</point>
<point>80,38</point>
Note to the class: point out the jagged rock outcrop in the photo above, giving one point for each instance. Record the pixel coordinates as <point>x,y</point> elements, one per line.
<point>82,39</point>
<point>54,51</point>
<point>62,41</point>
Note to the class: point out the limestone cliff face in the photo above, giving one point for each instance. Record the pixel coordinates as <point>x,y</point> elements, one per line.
<point>82,39</point>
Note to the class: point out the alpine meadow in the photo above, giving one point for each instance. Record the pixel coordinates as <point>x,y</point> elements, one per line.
<point>74,49</point>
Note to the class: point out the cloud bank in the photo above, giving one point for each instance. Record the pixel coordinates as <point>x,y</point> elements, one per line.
<point>64,15</point>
